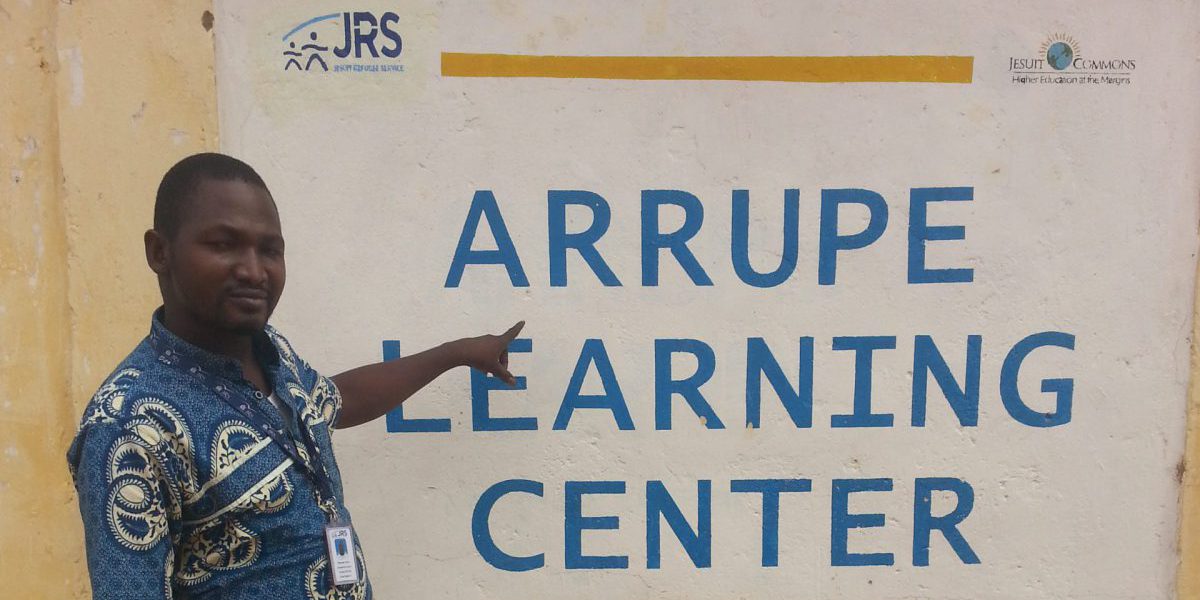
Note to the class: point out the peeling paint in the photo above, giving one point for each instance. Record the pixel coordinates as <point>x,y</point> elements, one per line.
<point>39,242</point>
<point>73,58</point>
<point>29,147</point>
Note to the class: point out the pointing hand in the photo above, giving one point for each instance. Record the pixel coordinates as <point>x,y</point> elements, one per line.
<point>489,353</point>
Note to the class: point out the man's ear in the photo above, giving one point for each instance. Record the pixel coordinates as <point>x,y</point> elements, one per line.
<point>156,251</point>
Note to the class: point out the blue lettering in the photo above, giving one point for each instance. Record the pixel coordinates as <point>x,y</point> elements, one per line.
<point>760,362</point>
<point>924,522</point>
<point>842,522</point>
<point>612,399</point>
<point>928,361</point>
<point>696,542</point>
<point>653,240</point>
<point>385,27</point>
<point>864,348</point>
<point>574,523</point>
<point>347,39</point>
<point>396,423</point>
<point>484,205</point>
<point>740,241</point>
<point>689,388</point>
<point>364,36</point>
<point>919,232</point>
<point>770,490</point>
<point>482,384</point>
<point>584,242</point>
<point>1063,389</point>
<point>831,243</point>
<point>481,530</point>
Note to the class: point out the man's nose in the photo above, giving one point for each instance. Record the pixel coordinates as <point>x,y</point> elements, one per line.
<point>251,268</point>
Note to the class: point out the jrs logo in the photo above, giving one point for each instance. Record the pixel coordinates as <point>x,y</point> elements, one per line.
<point>345,42</point>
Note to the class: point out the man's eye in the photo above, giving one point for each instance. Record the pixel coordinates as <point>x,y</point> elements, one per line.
<point>220,245</point>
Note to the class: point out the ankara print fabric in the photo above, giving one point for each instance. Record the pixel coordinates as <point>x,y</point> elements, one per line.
<point>181,497</point>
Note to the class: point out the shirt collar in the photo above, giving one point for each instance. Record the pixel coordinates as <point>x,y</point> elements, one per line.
<point>172,349</point>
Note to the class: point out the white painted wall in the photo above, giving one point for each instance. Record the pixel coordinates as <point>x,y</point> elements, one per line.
<point>1083,221</point>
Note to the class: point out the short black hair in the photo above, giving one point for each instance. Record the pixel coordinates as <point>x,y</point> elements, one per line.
<point>179,185</point>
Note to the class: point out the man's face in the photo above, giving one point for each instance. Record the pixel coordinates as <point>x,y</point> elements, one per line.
<point>224,270</point>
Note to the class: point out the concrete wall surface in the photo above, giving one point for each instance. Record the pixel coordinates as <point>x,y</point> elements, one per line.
<point>97,99</point>
<point>445,168</point>
<point>1006,361</point>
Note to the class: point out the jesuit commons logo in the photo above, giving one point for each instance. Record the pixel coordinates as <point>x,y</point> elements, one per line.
<point>1062,61</point>
<point>345,42</point>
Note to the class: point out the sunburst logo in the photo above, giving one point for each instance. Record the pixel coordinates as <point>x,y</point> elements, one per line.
<point>1060,51</point>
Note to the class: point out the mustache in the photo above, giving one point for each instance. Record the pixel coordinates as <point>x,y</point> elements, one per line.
<point>259,293</point>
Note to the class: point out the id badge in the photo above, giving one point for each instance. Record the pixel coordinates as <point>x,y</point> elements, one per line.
<point>339,543</point>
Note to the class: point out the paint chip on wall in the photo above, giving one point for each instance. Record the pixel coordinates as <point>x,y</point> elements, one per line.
<point>73,58</point>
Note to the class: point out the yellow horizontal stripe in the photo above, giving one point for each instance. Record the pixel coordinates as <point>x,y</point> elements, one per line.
<point>810,69</point>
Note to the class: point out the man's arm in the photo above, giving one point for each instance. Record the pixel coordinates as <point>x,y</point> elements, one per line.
<point>370,391</point>
<point>130,519</point>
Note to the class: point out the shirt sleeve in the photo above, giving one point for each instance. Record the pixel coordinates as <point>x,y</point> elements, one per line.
<point>327,398</point>
<point>322,393</point>
<point>130,511</point>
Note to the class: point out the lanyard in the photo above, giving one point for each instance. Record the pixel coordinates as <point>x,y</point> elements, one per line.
<point>314,468</point>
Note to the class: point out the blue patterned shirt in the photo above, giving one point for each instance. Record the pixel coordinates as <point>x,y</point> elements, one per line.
<point>181,497</point>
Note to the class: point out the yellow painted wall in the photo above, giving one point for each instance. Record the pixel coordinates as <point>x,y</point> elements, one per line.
<point>35,361</point>
<point>97,100</point>
<point>1189,520</point>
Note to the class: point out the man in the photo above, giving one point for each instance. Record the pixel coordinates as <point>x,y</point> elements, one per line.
<point>204,465</point>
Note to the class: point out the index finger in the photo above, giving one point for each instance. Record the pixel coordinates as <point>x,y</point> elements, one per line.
<point>512,332</point>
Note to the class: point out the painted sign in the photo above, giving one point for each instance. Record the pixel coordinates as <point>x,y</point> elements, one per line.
<point>822,300</point>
